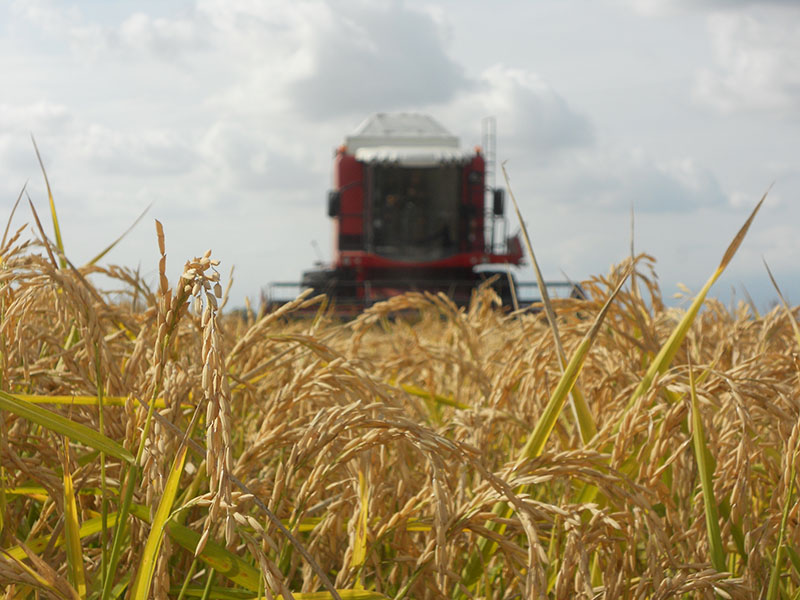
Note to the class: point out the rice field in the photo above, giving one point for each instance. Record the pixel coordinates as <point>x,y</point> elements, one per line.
<point>159,445</point>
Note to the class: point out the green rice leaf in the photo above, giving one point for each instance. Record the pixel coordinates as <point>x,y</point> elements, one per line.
<point>544,426</point>
<point>72,531</point>
<point>56,228</point>
<point>38,544</point>
<point>152,548</point>
<point>664,357</point>
<point>736,528</point>
<point>45,241</point>
<point>110,247</point>
<point>425,395</point>
<point>775,574</point>
<point>82,400</point>
<point>344,594</point>
<point>786,308</point>
<point>705,469</point>
<point>541,433</point>
<point>45,582</point>
<point>360,543</point>
<point>214,555</point>
<point>220,593</point>
<point>129,484</point>
<point>583,414</point>
<point>3,504</point>
<point>11,215</point>
<point>119,589</point>
<point>55,422</point>
<point>794,557</point>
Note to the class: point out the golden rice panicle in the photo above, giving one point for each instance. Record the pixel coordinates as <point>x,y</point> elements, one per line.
<point>200,281</point>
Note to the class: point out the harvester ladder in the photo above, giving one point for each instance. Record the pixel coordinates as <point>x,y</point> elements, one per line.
<point>489,144</point>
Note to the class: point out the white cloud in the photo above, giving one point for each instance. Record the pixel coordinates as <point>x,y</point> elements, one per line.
<point>57,21</point>
<point>46,121</point>
<point>667,7</point>
<point>37,117</point>
<point>164,37</point>
<point>365,59</point>
<point>138,33</point>
<point>534,118</point>
<point>535,123</point>
<point>319,59</point>
<point>247,159</point>
<point>46,16</point>
<point>755,47</point>
<point>757,62</point>
<point>66,140</point>
<point>139,153</point>
<point>552,152</point>
<point>604,180</point>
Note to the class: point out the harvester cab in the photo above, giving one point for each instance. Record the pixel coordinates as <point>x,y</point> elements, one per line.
<point>411,210</point>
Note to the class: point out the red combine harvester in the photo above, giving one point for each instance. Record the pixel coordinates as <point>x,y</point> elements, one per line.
<point>414,211</point>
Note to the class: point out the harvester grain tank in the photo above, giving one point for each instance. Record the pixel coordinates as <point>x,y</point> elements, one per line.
<point>411,210</point>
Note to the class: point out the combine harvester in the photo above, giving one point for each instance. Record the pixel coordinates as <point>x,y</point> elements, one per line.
<point>413,211</point>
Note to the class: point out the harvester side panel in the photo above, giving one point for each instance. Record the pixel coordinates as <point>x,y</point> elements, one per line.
<point>349,225</point>
<point>473,199</point>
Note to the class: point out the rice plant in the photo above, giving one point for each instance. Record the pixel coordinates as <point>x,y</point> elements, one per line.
<point>160,446</point>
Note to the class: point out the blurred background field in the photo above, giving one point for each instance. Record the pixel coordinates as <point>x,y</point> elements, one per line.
<point>224,116</point>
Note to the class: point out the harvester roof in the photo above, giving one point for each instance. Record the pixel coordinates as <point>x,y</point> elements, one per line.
<point>407,138</point>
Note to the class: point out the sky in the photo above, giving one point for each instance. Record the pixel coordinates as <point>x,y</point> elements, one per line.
<point>223,115</point>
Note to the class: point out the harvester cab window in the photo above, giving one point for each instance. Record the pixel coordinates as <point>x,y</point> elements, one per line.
<point>415,211</point>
